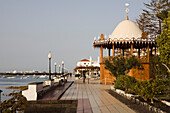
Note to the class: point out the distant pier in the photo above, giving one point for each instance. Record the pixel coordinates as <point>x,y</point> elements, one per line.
<point>43,73</point>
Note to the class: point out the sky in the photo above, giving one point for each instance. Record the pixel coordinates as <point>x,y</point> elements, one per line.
<point>30,29</point>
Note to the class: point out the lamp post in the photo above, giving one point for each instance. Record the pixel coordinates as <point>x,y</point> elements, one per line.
<point>55,68</point>
<point>62,67</point>
<point>49,56</point>
<point>0,102</point>
<point>59,68</point>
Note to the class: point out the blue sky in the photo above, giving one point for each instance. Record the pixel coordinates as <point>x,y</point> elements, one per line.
<point>29,29</point>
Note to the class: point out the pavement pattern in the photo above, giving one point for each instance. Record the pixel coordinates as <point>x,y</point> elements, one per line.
<point>92,98</point>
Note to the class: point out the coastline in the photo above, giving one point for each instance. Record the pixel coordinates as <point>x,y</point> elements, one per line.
<point>8,85</point>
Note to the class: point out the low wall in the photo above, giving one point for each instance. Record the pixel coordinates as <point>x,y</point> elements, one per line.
<point>37,89</point>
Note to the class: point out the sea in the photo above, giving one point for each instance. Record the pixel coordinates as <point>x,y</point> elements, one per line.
<point>16,81</point>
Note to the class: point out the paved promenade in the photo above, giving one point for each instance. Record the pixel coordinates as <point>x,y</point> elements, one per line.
<point>92,98</point>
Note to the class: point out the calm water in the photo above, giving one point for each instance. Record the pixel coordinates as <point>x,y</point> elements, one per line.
<point>5,82</point>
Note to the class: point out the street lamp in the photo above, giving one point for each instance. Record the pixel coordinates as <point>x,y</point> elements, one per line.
<point>55,68</point>
<point>49,56</point>
<point>62,67</point>
<point>59,68</point>
<point>0,102</point>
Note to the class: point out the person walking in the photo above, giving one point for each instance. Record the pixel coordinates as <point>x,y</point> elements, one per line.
<point>84,78</point>
<point>88,78</point>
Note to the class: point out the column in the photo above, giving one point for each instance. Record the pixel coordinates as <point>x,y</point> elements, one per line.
<point>109,52</point>
<point>131,49</point>
<point>155,50</point>
<point>101,50</point>
<point>113,50</point>
<point>0,102</point>
<point>148,53</point>
<point>101,54</point>
<point>139,53</point>
<point>101,62</point>
<point>123,52</point>
<point>49,68</point>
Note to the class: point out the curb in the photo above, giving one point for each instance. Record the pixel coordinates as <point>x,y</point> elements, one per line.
<point>137,101</point>
<point>65,90</point>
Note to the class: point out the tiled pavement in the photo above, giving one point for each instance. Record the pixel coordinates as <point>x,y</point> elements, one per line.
<point>92,98</point>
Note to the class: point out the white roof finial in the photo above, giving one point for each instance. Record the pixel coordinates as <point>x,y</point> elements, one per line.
<point>105,37</point>
<point>98,37</point>
<point>127,10</point>
<point>109,36</point>
<point>94,38</point>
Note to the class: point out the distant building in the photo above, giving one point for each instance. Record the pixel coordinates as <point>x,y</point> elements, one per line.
<point>88,67</point>
<point>14,71</point>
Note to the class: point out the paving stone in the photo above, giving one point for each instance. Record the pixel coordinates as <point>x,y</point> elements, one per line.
<point>94,97</point>
<point>84,98</point>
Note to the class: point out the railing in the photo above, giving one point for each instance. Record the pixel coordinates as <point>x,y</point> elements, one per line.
<point>142,59</point>
<point>126,40</point>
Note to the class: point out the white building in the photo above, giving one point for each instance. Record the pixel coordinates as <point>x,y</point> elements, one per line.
<point>88,67</point>
<point>86,62</point>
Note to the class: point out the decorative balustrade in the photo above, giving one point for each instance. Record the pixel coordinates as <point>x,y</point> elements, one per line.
<point>142,59</point>
<point>126,40</point>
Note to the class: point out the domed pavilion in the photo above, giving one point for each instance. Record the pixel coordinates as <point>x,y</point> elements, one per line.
<point>126,40</point>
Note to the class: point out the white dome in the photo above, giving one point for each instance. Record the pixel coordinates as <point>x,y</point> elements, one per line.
<point>126,29</point>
